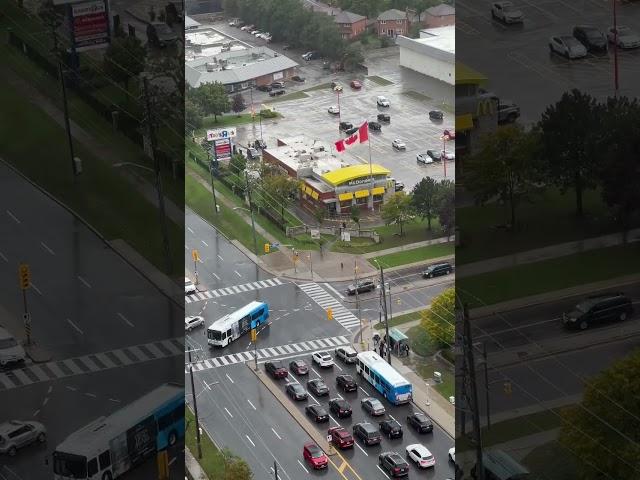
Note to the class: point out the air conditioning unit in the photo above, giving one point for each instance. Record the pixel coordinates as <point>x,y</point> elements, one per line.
<point>211,67</point>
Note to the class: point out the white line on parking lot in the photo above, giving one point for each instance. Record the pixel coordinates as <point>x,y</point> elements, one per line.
<point>391,417</point>
<point>250,441</point>
<point>383,472</point>
<point>230,379</point>
<point>36,289</point>
<point>276,433</point>
<point>305,468</point>
<point>362,449</point>
<point>228,412</point>
<point>74,325</point>
<point>252,405</point>
<point>314,371</point>
<point>339,367</point>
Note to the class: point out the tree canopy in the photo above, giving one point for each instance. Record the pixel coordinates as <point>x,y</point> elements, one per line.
<point>212,99</point>
<point>398,210</point>
<point>439,319</point>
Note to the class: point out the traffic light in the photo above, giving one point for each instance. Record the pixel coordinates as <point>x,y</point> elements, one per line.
<point>507,388</point>
<point>163,465</point>
<point>254,335</point>
<point>330,313</point>
<point>266,248</point>
<point>25,276</point>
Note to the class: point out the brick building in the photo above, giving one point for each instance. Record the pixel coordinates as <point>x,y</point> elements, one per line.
<point>350,24</point>
<point>439,16</point>
<point>392,23</point>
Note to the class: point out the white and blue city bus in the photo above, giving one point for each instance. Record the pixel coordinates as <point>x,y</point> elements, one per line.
<point>233,325</point>
<point>386,379</point>
<point>111,446</point>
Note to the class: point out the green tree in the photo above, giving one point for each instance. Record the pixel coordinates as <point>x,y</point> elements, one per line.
<point>238,103</point>
<point>355,216</point>
<point>424,198</point>
<point>446,206</point>
<point>280,190</point>
<point>569,135</point>
<point>213,99</point>
<point>124,59</point>
<point>237,469</point>
<point>504,167</point>
<point>439,319</point>
<point>353,56</point>
<point>192,116</point>
<point>237,167</point>
<point>398,210</point>
<point>605,425</point>
<point>319,214</point>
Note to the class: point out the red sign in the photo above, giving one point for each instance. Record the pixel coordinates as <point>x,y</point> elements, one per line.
<point>90,24</point>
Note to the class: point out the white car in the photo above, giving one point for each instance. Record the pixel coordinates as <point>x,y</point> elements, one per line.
<point>323,359</point>
<point>189,287</point>
<point>449,156</point>
<point>626,37</point>
<point>15,434</point>
<point>255,32</point>
<point>192,322</point>
<point>334,109</point>
<point>347,354</point>
<point>382,101</point>
<point>424,158</point>
<point>567,46</point>
<point>10,350</point>
<point>452,454</point>
<point>506,12</point>
<point>398,144</point>
<point>420,455</point>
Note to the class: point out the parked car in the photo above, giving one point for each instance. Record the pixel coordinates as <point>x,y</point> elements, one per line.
<point>351,130</point>
<point>345,125</point>
<point>340,407</point>
<point>346,383</point>
<point>310,55</point>
<point>567,46</point>
<point>375,126</point>
<point>347,354</point>
<point>159,34</point>
<point>361,287</point>
<point>340,437</point>
<point>599,309</point>
<point>399,186</point>
<point>318,387</point>
<point>264,88</point>
<point>372,406</point>
<point>247,28</point>
<point>391,428</point>
<point>11,352</point>
<point>356,84</point>
<point>423,158</point>
<point>625,38</point>
<point>420,455</point>
<point>366,432</point>
<point>591,37</point>
<point>298,78</point>
<point>314,456</point>
<point>382,101</point>
<point>276,369</point>
<point>393,464</point>
<point>299,367</point>
<point>261,144</point>
<point>317,412</point>
<point>420,422</point>
<point>277,84</point>
<point>435,155</point>
<point>508,111</point>
<point>252,154</point>
<point>436,115</point>
<point>336,87</point>
<point>296,391</point>
<point>16,434</point>
<point>322,359</point>
<point>450,133</point>
<point>506,12</point>
<point>452,454</point>
<point>437,270</point>
<point>398,144</point>
<point>384,117</point>
<point>192,322</point>
<point>189,286</point>
<point>276,93</point>
<point>254,32</point>
<point>334,109</point>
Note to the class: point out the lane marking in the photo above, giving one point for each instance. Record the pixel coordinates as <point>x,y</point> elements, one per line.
<point>343,467</point>
<point>334,290</point>
<point>358,445</point>
<point>36,288</point>
<point>46,247</point>
<point>15,219</point>
<point>236,271</point>
<point>276,433</point>
<point>252,405</point>
<point>365,392</point>
<point>4,258</point>
<point>215,275</point>
<point>86,284</point>
<point>250,441</point>
<point>189,228</point>
<point>204,243</point>
<point>125,319</point>
<point>221,259</point>
<point>305,468</point>
<point>230,379</point>
<point>228,412</point>
<point>74,326</point>
<point>91,395</point>
<point>383,472</point>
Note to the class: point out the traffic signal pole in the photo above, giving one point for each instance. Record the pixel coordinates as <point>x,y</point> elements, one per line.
<point>195,407</point>
<point>24,274</point>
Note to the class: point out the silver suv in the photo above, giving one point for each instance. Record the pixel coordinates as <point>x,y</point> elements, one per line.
<point>15,434</point>
<point>10,349</point>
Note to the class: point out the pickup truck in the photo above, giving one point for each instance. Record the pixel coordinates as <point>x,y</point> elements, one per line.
<point>508,112</point>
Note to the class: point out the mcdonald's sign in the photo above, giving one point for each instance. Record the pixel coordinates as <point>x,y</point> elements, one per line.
<point>486,106</point>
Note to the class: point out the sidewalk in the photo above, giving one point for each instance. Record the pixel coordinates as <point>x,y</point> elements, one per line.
<point>411,246</point>
<point>192,465</point>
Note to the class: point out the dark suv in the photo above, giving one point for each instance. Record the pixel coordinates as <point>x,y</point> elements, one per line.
<point>346,125</point>
<point>340,407</point>
<point>437,269</point>
<point>420,422</point>
<point>346,383</point>
<point>367,433</point>
<point>393,464</point>
<point>391,428</point>
<point>592,38</point>
<point>361,287</point>
<point>276,369</point>
<point>599,309</point>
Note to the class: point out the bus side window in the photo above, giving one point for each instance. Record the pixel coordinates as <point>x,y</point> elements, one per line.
<point>366,370</point>
<point>229,333</point>
<point>105,459</point>
<point>92,467</point>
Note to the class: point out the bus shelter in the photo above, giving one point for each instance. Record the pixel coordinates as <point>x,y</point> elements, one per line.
<point>398,342</point>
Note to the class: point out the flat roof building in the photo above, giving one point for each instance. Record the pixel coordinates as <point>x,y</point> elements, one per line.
<point>433,54</point>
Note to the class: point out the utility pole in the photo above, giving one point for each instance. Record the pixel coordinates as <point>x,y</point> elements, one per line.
<point>486,383</point>
<point>195,408</point>
<point>156,167</point>
<point>275,469</point>
<point>67,123</point>
<point>213,188</point>
<point>474,392</point>
<point>615,49</point>
<point>253,222</point>
<point>386,320</point>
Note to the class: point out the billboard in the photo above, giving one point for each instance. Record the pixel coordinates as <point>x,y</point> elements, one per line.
<point>88,24</point>
<point>222,149</point>
<point>221,133</point>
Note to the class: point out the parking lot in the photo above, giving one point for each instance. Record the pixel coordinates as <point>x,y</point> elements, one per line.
<point>365,458</point>
<point>517,61</point>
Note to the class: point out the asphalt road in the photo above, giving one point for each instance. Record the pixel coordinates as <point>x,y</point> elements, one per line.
<point>517,61</point>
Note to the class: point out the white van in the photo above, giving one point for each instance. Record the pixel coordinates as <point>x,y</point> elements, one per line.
<point>10,349</point>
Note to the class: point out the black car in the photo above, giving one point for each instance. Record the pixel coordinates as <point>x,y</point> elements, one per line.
<point>351,131</point>
<point>367,433</point>
<point>298,78</point>
<point>346,383</point>
<point>591,37</point>
<point>437,269</point>
<point>340,407</point>
<point>436,115</point>
<point>277,84</point>
<point>276,369</point>
<point>384,117</point>
<point>346,125</point>
<point>296,391</point>
<point>160,34</point>
<point>261,144</point>
<point>264,88</point>
<point>361,287</point>
<point>435,155</point>
<point>318,413</point>
<point>393,464</point>
<point>276,93</point>
<point>318,387</point>
<point>375,126</point>
<point>420,422</point>
<point>391,428</point>
<point>597,309</point>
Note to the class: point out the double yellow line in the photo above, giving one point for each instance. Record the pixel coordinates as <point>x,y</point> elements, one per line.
<point>344,466</point>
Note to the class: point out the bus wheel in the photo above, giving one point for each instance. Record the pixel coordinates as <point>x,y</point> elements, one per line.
<point>173,438</point>
<point>107,476</point>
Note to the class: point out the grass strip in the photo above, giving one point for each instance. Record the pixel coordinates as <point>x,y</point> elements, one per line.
<point>322,86</point>
<point>212,461</point>
<point>289,96</point>
<point>379,80</point>
<point>417,96</point>
<point>399,320</point>
<point>390,238</point>
<point>414,255</point>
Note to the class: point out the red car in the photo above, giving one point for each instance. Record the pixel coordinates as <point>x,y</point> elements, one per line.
<point>450,133</point>
<point>340,437</point>
<point>356,84</point>
<point>314,456</point>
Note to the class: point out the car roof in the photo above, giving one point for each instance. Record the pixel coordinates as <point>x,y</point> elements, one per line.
<point>422,450</point>
<point>4,333</point>
<point>368,426</point>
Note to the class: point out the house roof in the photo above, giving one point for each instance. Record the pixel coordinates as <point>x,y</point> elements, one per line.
<point>441,10</point>
<point>347,17</point>
<point>393,14</point>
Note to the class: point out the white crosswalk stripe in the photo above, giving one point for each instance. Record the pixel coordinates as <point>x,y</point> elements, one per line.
<point>233,290</point>
<point>340,314</point>
<point>97,362</point>
<point>291,349</point>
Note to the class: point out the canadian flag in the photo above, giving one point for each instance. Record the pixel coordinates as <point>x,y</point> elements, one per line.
<point>361,136</point>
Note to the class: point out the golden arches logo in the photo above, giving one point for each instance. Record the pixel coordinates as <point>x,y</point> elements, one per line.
<point>486,106</point>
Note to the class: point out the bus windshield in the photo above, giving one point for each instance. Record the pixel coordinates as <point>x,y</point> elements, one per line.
<point>215,335</point>
<point>69,465</point>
